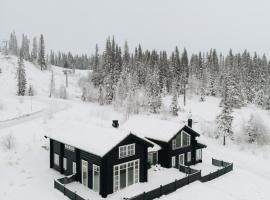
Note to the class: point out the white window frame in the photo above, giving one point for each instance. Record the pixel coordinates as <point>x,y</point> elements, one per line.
<point>96,168</point>
<point>74,167</point>
<point>126,150</point>
<point>181,155</point>
<point>173,161</point>
<point>174,147</point>
<point>136,175</point>
<point>198,154</point>
<point>86,166</point>
<point>151,155</point>
<point>189,156</point>
<point>69,147</point>
<point>56,159</point>
<point>64,163</point>
<point>184,132</point>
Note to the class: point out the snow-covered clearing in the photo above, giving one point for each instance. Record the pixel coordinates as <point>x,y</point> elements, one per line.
<point>14,108</point>
<point>25,172</point>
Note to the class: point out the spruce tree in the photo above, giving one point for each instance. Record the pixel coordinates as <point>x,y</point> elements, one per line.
<point>174,103</point>
<point>34,53</point>
<point>21,76</point>
<point>41,54</point>
<point>224,120</point>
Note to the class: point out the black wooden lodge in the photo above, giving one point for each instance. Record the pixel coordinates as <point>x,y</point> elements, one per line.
<point>107,168</point>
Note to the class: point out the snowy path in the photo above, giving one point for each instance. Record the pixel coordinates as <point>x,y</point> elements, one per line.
<point>53,106</point>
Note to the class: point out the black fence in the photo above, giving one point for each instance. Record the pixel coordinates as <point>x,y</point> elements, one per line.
<point>168,188</point>
<point>187,170</point>
<point>61,187</point>
<point>227,167</point>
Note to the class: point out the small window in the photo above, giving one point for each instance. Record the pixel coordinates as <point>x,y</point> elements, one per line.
<point>173,161</point>
<point>70,148</point>
<point>198,154</point>
<point>189,156</point>
<point>65,163</point>
<point>74,168</point>
<point>56,159</point>
<point>126,150</point>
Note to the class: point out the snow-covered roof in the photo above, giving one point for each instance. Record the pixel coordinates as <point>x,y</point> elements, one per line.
<point>153,128</point>
<point>155,147</point>
<point>89,137</point>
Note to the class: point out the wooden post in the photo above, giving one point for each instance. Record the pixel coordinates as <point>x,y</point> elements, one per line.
<point>160,190</point>
<point>175,185</point>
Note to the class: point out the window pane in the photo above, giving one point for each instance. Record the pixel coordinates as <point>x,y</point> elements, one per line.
<point>122,178</point>
<point>130,175</point>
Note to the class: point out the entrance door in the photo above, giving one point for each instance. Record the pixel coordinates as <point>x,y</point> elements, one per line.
<point>182,159</point>
<point>85,173</point>
<point>155,158</point>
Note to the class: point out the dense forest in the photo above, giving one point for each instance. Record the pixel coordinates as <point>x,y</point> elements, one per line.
<point>122,75</point>
<point>135,81</point>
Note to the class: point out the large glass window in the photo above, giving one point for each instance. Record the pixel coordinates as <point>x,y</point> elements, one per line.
<point>96,178</point>
<point>65,163</point>
<point>126,150</point>
<point>181,140</point>
<point>56,159</point>
<point>84,173</point>
<point>126,174</point>
<point>185,139</point>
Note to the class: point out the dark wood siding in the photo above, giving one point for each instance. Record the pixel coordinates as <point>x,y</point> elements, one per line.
<point>112,158</point>
<point>183,150</point>
<point>163,159</point>
<point>76,156</point>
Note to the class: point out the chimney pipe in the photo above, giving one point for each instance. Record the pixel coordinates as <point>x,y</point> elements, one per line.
<point>190,123</point>
<point>115,123</point>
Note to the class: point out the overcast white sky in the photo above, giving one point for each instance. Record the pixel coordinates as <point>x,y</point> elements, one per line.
<point>76,25</point>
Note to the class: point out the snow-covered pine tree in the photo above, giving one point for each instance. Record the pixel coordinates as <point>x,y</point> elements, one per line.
<point>224,120</point>
<point>101,95</point>
<point>202,94</point>
<point>25,47</point>
<point>267,102</point>
<point>21,76</point>
<point>41,54</point>
<point>174,103</point>
<point>12,44</point>
<point>256,131</point>
<point>260,98</point>
<point>34,53</point>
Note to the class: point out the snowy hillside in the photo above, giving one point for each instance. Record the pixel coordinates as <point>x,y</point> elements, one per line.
<point>39,79</point>
<point>25,172</point>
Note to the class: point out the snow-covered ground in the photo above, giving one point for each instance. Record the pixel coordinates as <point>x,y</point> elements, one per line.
<point>16,107</point>
<point>25,172</point>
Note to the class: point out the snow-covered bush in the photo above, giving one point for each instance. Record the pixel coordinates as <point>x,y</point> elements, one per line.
<point>63,94</point>
<point>254,131</point>
<point>31,91</point>
<point>8,141</point>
